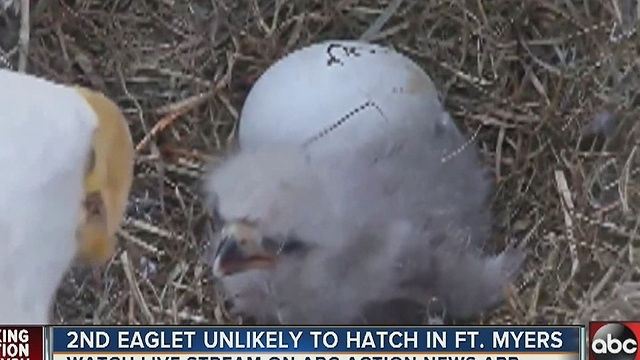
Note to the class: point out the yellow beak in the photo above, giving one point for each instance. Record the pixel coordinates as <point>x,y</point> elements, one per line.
<point>107,182</point>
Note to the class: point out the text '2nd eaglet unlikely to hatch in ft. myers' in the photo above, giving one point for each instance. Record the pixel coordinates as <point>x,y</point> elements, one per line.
<point>290,339</point>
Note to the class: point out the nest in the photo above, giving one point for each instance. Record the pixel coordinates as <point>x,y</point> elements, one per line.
<point>548,89</point>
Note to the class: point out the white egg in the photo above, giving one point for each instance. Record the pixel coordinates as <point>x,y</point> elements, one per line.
<point>335,95</point>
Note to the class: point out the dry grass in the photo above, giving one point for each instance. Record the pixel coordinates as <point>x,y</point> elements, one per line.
<point>550,86</point>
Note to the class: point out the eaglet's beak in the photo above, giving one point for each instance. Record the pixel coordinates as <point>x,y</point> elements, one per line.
<point>242,248</point>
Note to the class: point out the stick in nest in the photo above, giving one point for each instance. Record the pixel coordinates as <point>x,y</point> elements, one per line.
<point>179,109</point>
<point>25,28</point>
<point>568,209</point>
<point>381,21</point>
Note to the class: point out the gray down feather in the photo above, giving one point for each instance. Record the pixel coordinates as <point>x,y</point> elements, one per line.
<point>387,228</point>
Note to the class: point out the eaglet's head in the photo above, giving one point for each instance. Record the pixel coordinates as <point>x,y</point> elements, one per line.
<point>264,198</point>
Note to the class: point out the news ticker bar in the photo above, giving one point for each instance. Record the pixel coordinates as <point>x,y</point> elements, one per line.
<point>291,343</point>
<point>607,341</point>
<point>200,339</point>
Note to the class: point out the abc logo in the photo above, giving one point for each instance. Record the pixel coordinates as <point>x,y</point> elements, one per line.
<point>614,342</point>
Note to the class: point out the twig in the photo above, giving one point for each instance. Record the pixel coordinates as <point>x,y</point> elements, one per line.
<point>135,290</point>
<point>25,28</point>
<point>179,109</point>
<point>4,61</point>
<point>498,160</point>
<point>624,181</point>
<point>151,229</point>
<point>381,21</point>
<point>568,208</point>
<point>608,275</point>
<point>182,315</point>
<point>137,241</point>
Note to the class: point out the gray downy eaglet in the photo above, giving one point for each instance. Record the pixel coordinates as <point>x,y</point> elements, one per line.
<point>366,224</point>
<point>363,238</point>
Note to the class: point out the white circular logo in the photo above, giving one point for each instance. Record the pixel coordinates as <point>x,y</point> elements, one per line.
<point>614,342</point>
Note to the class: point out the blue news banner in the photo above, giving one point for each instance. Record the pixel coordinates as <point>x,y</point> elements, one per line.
<point>316,343</point>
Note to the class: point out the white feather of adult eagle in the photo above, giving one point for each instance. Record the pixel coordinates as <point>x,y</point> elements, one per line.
<point>66,156</point>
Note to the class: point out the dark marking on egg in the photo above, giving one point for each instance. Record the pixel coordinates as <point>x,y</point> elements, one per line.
<point>336,51</point>
<point>349,115</point>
